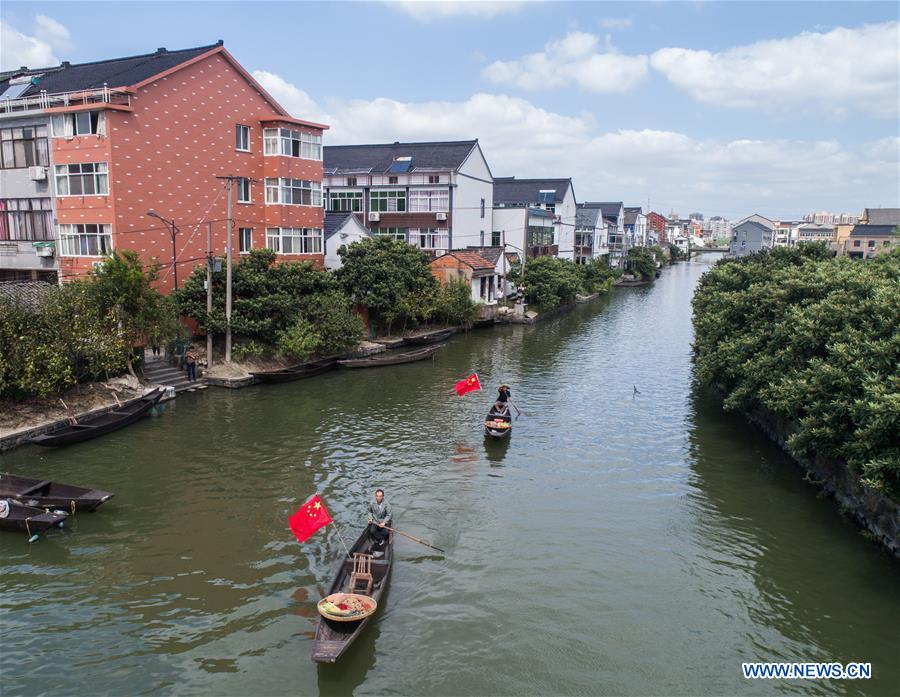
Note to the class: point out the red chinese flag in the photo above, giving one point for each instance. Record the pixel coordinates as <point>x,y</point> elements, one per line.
<point>470,384</point>
<point>310,517</point>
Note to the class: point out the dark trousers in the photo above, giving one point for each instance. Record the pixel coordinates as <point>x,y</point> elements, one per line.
<point>376,534</point>
<point>192,371</point>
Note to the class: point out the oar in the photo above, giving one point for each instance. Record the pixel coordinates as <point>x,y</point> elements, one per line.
<point>415,539</point>
<point>518,411</point>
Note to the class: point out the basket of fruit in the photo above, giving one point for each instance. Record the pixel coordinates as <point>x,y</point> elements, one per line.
<point>497,424</point>
<point>347,607</point>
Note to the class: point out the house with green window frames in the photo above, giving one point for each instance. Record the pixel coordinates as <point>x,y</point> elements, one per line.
<point>436,196</point>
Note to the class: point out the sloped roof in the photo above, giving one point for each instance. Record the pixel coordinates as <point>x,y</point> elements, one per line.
<point>30,294</point>
<point>631,215</point>
<point>378,158</point>
<point>527,191</point>
<point>587,217</point>
<point>610,209</point>
<point>872,230</point>
<point>883,216</point>
<point>117,72</point>
<point>491,254</point>
<point>335,221</point>
<point>471,258</point>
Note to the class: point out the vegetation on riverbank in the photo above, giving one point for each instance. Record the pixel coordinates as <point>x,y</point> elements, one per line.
<point>81,331</point>
<point>813,340</point>
<point>550,281</point>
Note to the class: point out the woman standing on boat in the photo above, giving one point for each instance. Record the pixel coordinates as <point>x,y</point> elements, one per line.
<point>503,394</point>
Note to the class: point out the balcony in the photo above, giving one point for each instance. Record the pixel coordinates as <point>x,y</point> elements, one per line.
<point>543,250</point>
<point>103,96</point>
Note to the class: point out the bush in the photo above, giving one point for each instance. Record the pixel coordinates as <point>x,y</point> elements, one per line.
<point>300,339</point>
<point>247,349</point>
<point>812,339</point>
<point>676,253</point>
<point>642,262</point>
<point>454,305</point>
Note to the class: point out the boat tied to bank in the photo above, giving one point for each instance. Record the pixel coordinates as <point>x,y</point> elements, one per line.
<point>296,372</point>
<point>432,337</point>
<point>43,493</point>
<point>15,516</point>
<point>393,359</point>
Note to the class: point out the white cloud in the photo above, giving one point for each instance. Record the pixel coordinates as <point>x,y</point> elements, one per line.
<point>616,23</point>
<point>18,49</point>
<point>432,10</point>
<point>728,177</point>
<point>573,59</point>
<point>292,98</point>
<point>838,72</point>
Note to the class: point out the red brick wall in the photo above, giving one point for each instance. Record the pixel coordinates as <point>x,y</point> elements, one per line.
<point>447,268</point>
<point>165,155</point>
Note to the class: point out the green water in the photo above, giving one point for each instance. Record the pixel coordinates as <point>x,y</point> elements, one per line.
<point>619,543</point>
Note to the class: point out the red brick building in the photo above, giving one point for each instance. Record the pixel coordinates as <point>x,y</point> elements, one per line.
<point>657,222</point>
<point>152,133</point>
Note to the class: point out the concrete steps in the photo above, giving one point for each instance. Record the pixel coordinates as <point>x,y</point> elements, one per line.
<point>161,373</point>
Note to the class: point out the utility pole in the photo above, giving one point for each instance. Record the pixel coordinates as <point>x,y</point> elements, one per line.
<point>173,232</point>
<point>505,269</point>
<point>229,185</point>
<point>209,265</point>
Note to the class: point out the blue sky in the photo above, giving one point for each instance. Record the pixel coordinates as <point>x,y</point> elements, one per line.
<point>723,107</point>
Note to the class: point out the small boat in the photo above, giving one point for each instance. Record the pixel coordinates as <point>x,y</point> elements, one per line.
<point>334,638</point>
<point>429,337</point>
<point>393,359</point>
<point>17,516</point>
<point>296,372</point>
<point>100,424</point>
<point>47,494</point>
<point>630,283</point>
<point>495,417</point>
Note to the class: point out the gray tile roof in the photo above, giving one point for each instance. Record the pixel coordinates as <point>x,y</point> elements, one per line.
<point>509,190</point>
<point>118,72</point>
<point>378,158</point>
<point>872,230</point>
<point>492,254</point>
<point>335,221</point>
<point>631,214</point>
<point>587,217</point>
<point>883,216</point>
<point>30,294</point>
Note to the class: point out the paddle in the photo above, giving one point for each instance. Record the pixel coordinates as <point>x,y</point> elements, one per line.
<point>70,416</point>
<point>518,411</point>
<point>414,539</point>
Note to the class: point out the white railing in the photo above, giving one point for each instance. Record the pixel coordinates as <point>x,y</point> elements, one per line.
<point>44,100</point>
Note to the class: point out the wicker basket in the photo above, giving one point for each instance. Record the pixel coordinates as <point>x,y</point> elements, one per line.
<point>336,598</point>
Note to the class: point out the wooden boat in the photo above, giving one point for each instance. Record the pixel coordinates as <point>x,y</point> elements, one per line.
<point>296,372</point>
<point>429,337</point>
<point>393,359</point>
<point>47,494</point>
<point>100,424</point>
<point>28,518</point>
<point>494,414</point>
<point>630,283</point>
<point>334,638</point>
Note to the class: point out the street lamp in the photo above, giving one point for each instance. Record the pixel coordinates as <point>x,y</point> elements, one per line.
<point>174,230</point>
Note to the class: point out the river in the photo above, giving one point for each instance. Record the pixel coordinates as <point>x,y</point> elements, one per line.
<point>619,543</point>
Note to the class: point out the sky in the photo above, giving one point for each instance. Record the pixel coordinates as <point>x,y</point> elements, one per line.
<point>726,108</point>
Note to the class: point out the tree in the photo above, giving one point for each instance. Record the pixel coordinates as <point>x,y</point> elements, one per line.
<point>642,262</point>
<point>380,274</point>
<point>550,281</point>
<point>454,305</point>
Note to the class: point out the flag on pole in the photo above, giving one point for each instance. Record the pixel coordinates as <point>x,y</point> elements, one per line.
<point>470,384</point>
<point>309,517</point>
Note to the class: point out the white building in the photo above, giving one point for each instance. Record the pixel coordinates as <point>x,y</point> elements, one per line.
<point>635,223</point>
<point>529,231</point>
<point>436,196</point>
<point>752,234</point>
<point>590,234</point>
<point>556,196</point>
<point>341,230</point>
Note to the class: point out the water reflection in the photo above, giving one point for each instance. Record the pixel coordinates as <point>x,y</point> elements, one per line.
<point>495,449</point>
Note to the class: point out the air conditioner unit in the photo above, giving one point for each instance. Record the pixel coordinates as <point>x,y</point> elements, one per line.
<point>44,249</point>
<point>374,217</point>
<point>37,174</point>
<point>440,216</point>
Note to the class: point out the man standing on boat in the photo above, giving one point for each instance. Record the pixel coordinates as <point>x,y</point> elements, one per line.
<point>380,514</point>
<point>503,395</point>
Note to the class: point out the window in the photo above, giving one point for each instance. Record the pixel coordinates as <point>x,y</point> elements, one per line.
<point>24,147</point>
<point>87,179</point>
<point>243,190</point>
<point>387,201</point>
<point>429,200</point>
<point>481,244</point>
<point>482,208</point>
<point>83,123</point>
<point>288,240</point>
<point>345,201</point>
<point>293,192</point>
<point>26,219</point>
<point>351,181</point>
<point>245,240</point>
<point>283,141</point>
<point>431,239</point>
<point>392,180</point>
<point>495,238</point>
<point>856,243</point>
<point>539,235</point>
<point>242,137</point>
<point>871,244</point>
<point>434,178</point>
<point>85,240</point>
<point>398,233</point>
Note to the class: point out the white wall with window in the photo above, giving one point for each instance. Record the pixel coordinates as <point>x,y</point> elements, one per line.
<point>473,201</point>
<point>387,201</point>
<point>286,240</point>
<point>429,200</point>
<point>289,143</point>
<point>81,123</point>
<point>85,179</point>
<point>85,240</point>
<point>293,192</point>
<point>430,239</point>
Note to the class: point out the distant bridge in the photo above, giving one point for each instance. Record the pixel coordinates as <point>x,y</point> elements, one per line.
<point>717,250</point>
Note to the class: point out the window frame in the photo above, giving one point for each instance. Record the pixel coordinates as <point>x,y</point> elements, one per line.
<point>241,182</point>
<point>240,130</point>
<point>104,230</point>
<point>97,176</point>
<point>400,234</point>
<point>249,232</point>
<point>430,235</point>
<point>276,187</point>
<point>27,224</point>
<point>428,201</point>
<point>38,146</point>
<point>276,141</point>
<point>388,195</point>
<point>303,234</point>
